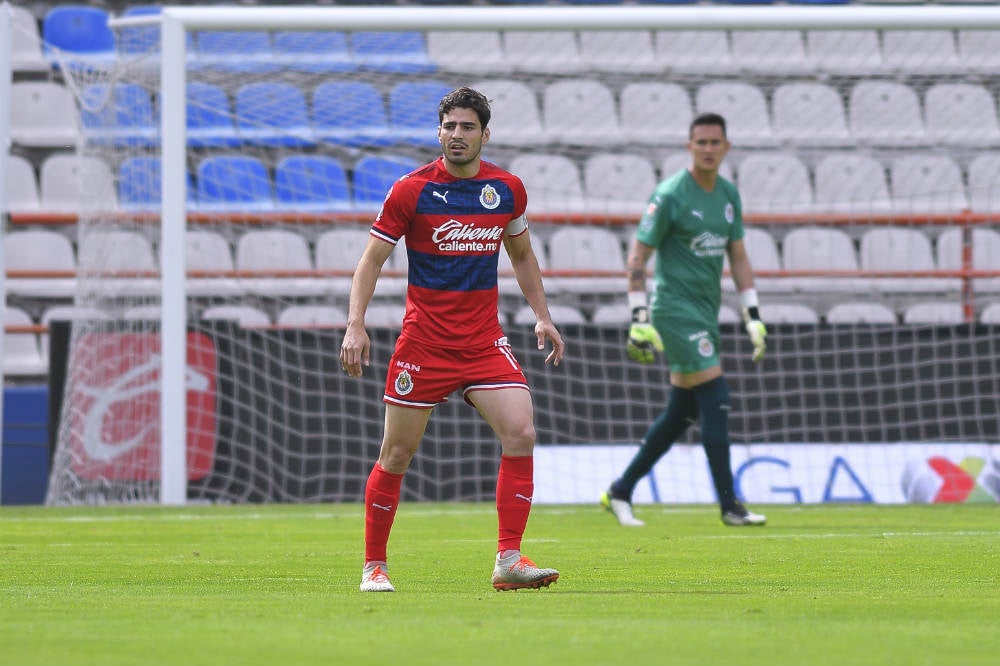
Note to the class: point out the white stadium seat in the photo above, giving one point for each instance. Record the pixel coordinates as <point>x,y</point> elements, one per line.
<point>774,183</point>
<point>810,114</point>
<point>564,118</point>
<point>744,107</point>
<point>618,183</point>
<point>901,249</point>
<point>861,313</point>
<point>886,113</point>
<point>655,112</point>
<point>553,182</point>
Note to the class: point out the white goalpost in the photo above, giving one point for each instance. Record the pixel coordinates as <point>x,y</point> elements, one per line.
<point>167,66</point>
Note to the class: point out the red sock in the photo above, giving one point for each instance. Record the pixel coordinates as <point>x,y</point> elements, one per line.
<point>515,484</point>
<point>381,499</point>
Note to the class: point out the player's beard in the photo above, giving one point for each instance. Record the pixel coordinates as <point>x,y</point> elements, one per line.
<point>466,159</point>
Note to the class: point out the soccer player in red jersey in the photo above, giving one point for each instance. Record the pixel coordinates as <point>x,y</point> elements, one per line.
<point>455,213</point>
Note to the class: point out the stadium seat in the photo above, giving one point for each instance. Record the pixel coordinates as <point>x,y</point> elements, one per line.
<point>350,113</point>
<point>26,42</point>
<point>121,116</point>
<point>80,35</point>
<point>616,315</point>
<point>961,113</point>
<point>886,113</point>
<point>944,312</point>
<point>312,316</point>
<point>385,315</point>
<point>506,282</point>
<point>927,184</point>
<point>413,112</point>
<point>854,183</point>
<point>397,52</point>
<point>139,184</point>
<point>209,251</point>
<point>810,114</point>
<point>486,44</point>
<point>979,50</point>
<point>274,115</point>
<point>985,246</point>
<point>340,250</point>
<point>210,122</point>
<point>788,313</point>
<point>590,104</point>
<point>622,51</point>
<point>990,314</point>
<point>234,183</point>
<point>274,252</point>
<point>324,52</point>
<point>75,183</point>
<point>681,160</point>
<point>744,107</point>
<point>695,52</point>
<point>655,113</point>
<point>140,41</point>
<point>311,182</point>
<point>562,315</point>
<point>861,313</point>
<point>246,316</point>
<point>618,183</point>
<point>543,52</point>
<point>516,117</point>
<point>149,312</point>
<point>375,174</point>
<point>763,252</point>
<point>43,115</point>
<point>584,248</point>
<point>846,52</point>
<point>240,51</point>
<point>127,255</point>
<point>67,313</point>
<point>552,181</point>
<point>921,52</point>
<point>22,357</point>
<point>774,183</point>
<point>771,52</point>
<point>40,250</point>
<point>814,248</point>
<point>902,249</point>
<point>984,182</point>
<point>22,186</point>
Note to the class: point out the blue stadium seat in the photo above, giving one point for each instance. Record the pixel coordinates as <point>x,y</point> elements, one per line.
<point>119,116</point>
<point>375,174</point>
<point>400,52</point>
<point>209,117</point>
<point>82,31</point>
<point>139,185</point>
<point>319,52</point>
<point>350,113</point>
<point>413,116</point>
<point>312,182</point>
<point>234,182</point>
<point>234,51</point>
<point>138,40</point>
<point>273,114</point>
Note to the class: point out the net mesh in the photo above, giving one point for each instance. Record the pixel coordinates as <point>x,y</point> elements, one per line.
<point>868,194</point>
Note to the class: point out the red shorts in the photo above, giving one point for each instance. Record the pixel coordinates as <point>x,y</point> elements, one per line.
<point>422,376</point>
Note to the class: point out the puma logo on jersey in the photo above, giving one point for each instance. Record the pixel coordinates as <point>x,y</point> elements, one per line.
<point>442,197</point>
<point>697,213</point>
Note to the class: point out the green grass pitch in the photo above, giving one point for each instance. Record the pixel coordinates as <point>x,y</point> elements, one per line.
<point>278,584</point>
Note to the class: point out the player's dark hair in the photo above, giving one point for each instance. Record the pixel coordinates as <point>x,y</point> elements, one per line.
<point>466,98</point>
<point>707,119</point>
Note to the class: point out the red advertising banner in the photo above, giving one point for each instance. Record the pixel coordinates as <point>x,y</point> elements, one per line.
<point>114,382</point>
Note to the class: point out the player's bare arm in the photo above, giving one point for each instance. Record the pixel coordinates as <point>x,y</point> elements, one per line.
<point>355,351</point>
<point>739,265</point>
<point>635,265</point>
<point>529,279</point>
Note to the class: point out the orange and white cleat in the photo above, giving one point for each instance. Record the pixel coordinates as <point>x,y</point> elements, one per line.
<point>375,578</point>
<point>517,572</point>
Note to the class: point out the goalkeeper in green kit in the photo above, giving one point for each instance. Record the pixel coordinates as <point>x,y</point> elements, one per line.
<point>693,219</point>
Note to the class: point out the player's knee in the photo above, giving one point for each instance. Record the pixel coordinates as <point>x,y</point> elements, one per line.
<point>396,458</point>
<point>518,440</point>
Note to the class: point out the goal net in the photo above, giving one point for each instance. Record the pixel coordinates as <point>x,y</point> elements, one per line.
<point>868,163</point>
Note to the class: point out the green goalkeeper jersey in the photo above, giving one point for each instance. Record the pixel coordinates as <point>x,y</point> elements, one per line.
<point>690,229</point>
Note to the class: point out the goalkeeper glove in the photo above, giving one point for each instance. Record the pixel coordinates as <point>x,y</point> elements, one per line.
<point>643,340</point>
<point>756,330</point>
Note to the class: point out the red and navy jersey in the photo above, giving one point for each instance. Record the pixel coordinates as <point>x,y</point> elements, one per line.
<point>454,229</point>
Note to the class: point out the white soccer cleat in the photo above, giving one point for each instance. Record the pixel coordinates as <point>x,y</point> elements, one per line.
<point>622,510</point>
<point>517,572</point>
<point>375,578</point>
<point>739,516</point>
